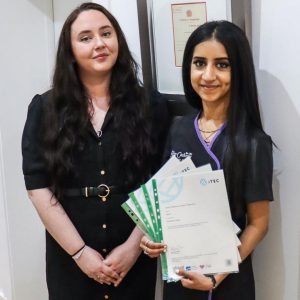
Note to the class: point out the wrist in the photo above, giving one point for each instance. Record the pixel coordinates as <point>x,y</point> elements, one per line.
<point>78,253</point>
<point>213,281</point>
<point>133,242</point>
<point>134,247</point>
<point>135,237</point>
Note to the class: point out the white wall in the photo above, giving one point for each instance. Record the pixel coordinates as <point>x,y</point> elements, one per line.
<point>26,50</point>
<point>276,48</point>
<point>5,259</point>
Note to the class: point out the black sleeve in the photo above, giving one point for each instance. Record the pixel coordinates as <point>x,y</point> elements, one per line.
<point>259,170</point>
<point>34,168</point>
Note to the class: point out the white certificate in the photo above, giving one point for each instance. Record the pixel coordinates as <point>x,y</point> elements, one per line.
<point>196,223</point>
<point>137,205</point>
<point>146,207</point>
<point>186,18</point>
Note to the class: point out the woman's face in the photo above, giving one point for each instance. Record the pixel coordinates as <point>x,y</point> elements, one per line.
<point>210,72</point>
<point>94,44</point>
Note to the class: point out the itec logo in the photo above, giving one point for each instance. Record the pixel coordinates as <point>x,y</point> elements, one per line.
<point>204,181</point>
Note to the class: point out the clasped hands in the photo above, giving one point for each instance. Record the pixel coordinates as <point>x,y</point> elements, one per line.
<point>113,268</point>
<point>190,279</point>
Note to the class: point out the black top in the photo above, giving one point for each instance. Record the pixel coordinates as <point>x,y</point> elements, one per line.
<point>103,225</point>
<point>185,140</point>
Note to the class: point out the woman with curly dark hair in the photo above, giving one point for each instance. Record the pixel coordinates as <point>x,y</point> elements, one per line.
<point>226,132</point>
<point>86,144</point>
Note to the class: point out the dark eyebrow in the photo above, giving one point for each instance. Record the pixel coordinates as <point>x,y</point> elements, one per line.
<point>84,32</point>
<point>222,58</point>
<point>198,58</point>
<point>88,31</point>
<point>217,59</point>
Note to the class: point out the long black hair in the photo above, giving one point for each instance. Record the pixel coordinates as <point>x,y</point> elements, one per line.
<point>67,112</point>
<point>243,116</point>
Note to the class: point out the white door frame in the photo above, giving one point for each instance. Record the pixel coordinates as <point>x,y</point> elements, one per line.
<point>5,254</point>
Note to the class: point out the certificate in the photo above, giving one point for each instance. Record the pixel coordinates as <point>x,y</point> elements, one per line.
<point>196,223</point>
<point>181,202</point>
<point>136,206</point>
<point>186,18</point>
<point>141,201</point>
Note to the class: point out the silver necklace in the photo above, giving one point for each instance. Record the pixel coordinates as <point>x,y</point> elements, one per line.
<point>207,134</point>
<point>208,131</point>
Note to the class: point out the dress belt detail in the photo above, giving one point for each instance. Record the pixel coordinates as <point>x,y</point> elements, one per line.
<point>101,191</point>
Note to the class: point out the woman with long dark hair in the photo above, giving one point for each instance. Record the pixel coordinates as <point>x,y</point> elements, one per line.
<point>219,81</point>
<point>86,144</point>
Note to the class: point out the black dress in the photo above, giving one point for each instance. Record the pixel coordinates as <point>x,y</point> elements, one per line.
<point>103,225</point>
<point>185,140</point>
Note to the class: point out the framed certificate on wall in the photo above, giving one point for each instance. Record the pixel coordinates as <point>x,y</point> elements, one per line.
<point>172,23</point>
<point>186,17</point>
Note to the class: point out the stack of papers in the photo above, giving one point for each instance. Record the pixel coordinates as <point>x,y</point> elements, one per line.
<point>187,208</point>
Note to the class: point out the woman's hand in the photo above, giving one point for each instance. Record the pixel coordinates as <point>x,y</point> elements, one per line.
<point>91,263</point>
<point>152,249</point>
<point>195,280</point>
<point>122,258</point>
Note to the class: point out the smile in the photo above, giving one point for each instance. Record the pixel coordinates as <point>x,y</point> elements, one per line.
<point>209,86</point>
<point>100,56</point>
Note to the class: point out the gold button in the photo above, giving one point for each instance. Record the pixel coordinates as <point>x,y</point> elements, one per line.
<point>102,172</point>
<point>99,143</point>
<point>104,250</point>
<point>104,226</point>
<point>106,297</point>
